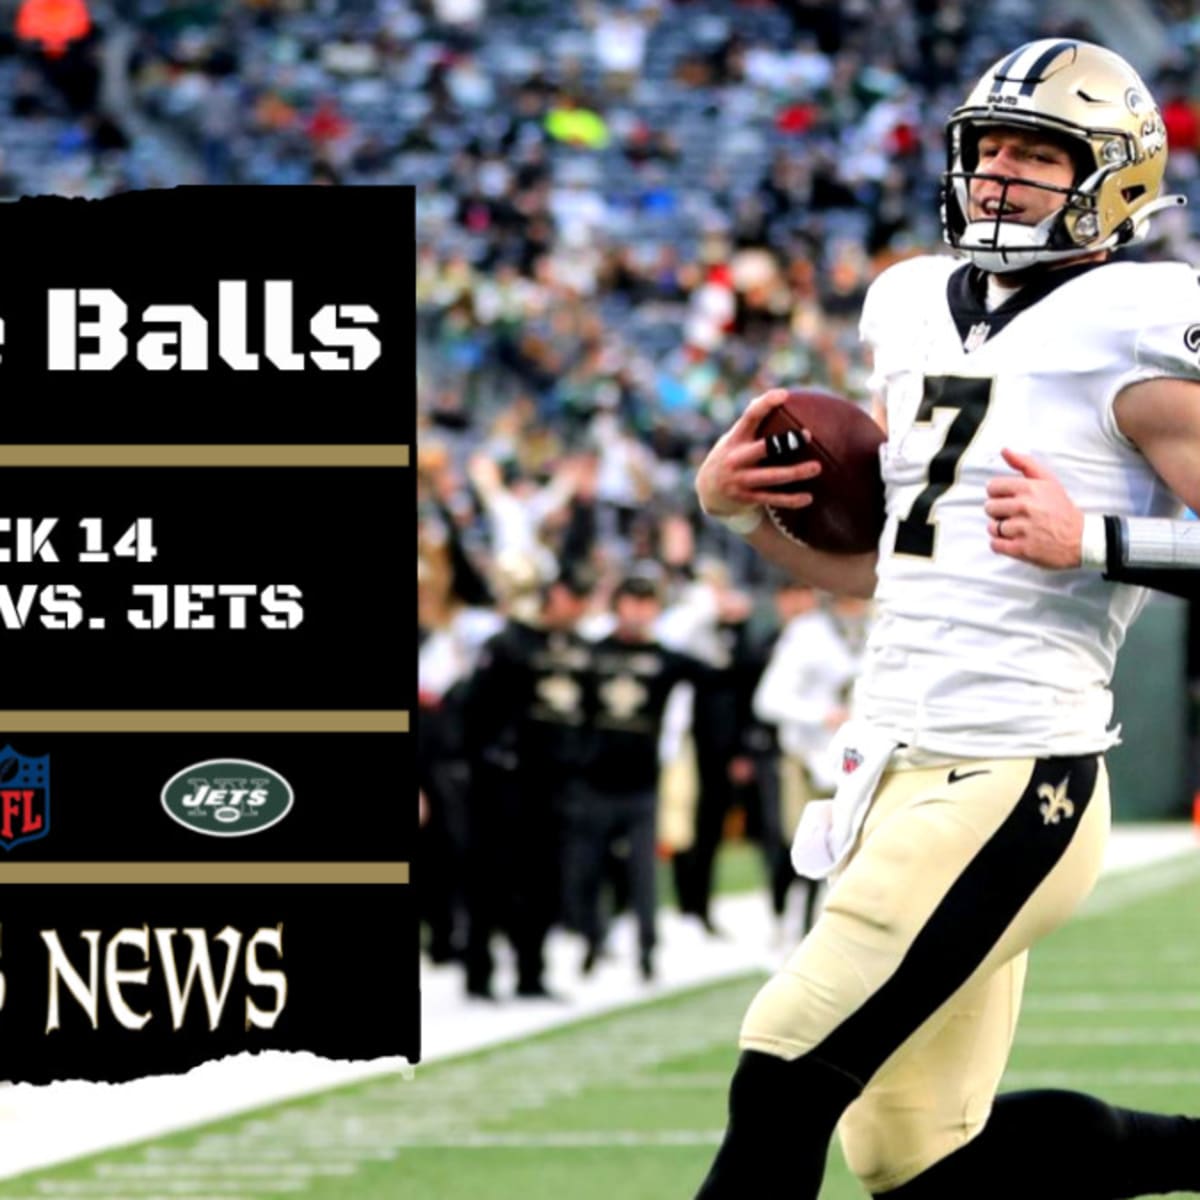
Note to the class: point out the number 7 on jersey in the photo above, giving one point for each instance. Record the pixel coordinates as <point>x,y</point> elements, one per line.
<point>970,397</point>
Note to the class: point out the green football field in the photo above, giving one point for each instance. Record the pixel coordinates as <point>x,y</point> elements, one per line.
<point>632,1104</point>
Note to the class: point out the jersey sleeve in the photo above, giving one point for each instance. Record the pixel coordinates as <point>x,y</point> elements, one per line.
<point>870,323</point>
<point>873,325</point>
<point>1169,342</point>
<point>894,310</point>
<point>1168,338</point>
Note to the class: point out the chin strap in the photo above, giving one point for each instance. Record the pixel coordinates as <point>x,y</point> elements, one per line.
<point>1000,260</point>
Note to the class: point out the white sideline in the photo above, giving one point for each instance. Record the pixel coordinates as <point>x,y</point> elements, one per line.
<point>47,1125</point>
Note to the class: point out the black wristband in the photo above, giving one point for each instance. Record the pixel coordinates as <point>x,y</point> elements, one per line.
<point>1183,582</point>
<point>1114,542</point>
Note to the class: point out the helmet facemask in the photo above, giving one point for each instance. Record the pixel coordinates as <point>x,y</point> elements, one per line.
<point>999,244</point>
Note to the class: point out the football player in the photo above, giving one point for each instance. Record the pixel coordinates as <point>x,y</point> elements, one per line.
<point>1042,404</point>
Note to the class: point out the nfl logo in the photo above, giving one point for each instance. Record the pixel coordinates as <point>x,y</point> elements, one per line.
<point>851,761</point>
<point>24,798</point>
<point>976,336</point>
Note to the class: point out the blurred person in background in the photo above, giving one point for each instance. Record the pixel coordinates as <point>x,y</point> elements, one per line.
<point>710,622</point>
<point>451,632</point>
<point>803,693</point>
<point>630,678</point>
<point>455,616</point>
<point>524,724</point>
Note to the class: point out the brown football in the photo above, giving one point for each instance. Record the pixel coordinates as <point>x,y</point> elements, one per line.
<point>847,512</point>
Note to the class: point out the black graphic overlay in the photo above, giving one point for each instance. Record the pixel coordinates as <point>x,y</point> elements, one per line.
<point>207,785</point>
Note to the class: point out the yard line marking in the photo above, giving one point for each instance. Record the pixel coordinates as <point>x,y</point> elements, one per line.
<point>155,1189</point>
<point>1111,1002</point>
<point>582,1139</point>
<point>1138,1036</point>
<point>1103,1078</point>
<point>1118,891</point>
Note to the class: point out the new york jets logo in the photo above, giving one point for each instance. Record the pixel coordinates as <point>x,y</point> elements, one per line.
<point>227,797</point>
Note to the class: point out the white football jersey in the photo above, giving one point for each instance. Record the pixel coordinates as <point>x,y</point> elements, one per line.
<point>975,654</point>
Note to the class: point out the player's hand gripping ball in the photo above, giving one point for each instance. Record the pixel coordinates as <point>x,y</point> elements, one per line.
<point>847,512</point>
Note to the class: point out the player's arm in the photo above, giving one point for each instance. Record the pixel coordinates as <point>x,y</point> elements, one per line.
<point>733,485</point>
<point>1162,418</point>
<point>1032,517</point>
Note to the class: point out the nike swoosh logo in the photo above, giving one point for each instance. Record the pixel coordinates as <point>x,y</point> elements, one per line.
<point>955,777</point>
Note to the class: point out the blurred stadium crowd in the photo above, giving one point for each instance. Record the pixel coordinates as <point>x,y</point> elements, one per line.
<point>630,217</point>
<point>649,213</point>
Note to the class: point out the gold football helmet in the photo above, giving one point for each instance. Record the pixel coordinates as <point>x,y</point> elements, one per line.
<point>1092,102</point>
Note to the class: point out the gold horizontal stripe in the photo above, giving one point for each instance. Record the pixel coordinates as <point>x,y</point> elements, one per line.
<point>203,721</point>
<point>203,456</point>
<point>203,872</point>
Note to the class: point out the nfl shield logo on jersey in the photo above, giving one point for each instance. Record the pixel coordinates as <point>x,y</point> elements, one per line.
<point>976,336</point>
<point>24,798</point>
<point>851,761</point>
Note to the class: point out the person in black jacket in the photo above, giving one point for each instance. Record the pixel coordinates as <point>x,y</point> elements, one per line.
<point>524,719</point>
<point>721,762</point>
<point>616,797</point>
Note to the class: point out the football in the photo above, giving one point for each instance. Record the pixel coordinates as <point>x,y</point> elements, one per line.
<point>847,512</point>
